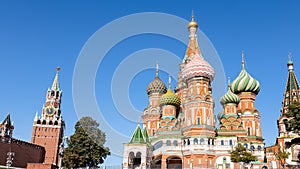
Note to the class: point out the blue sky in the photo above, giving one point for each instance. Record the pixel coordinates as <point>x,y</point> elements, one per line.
<point>37,36</point>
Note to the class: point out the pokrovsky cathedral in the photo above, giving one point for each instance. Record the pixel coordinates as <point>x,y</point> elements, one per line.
<point>179,125</point>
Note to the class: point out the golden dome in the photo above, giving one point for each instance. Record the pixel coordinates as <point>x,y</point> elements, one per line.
<point>193,23</point>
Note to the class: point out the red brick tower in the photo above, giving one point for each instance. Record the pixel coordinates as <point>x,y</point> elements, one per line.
<point>48,130</point>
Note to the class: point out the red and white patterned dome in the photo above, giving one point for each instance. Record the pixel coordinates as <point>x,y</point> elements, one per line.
<point>197,66</point>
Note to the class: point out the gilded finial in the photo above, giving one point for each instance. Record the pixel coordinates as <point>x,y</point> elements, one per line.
<point>169,84</point>
<point>156,71</point>
<point>193,23</point>
<point>228,81</point>
<point>243,60</point>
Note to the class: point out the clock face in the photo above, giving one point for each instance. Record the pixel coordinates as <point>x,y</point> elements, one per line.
<point>50,111</point>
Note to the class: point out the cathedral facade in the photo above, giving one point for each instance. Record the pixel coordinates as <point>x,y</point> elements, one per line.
<point>179,125</point>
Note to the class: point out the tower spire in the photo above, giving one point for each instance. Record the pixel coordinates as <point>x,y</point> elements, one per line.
<point>243,60</point>
<point>169,83</point>
<point>55,84</point>
<point>193,48</point>
<point>156,71</point>
<point>228,81</point>
<point>290,63</point>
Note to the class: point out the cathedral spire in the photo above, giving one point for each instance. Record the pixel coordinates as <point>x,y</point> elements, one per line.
<point>290,63</point>
<point>193,48</point>
<point>55,84</point>
<point>243,60</point>
<point>156,71</point>
<point>292,86</point>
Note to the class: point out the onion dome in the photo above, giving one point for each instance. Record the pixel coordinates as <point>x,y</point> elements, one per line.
<point>229,97</point>
<point>156,86</point>
<point>245,82</point>
<point>193,23</point>
<point>198,67</point>
<point>169,98</point>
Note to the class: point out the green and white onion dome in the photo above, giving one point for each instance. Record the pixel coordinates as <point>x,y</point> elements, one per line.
<point>156,86</point>
<point>245,83</point>
<point>229,97</point>
<point>169,99</point>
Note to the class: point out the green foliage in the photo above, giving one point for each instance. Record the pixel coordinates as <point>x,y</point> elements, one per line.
<point>294,113</point>
<point>240,154</point>
<point>86,145</point>
<point>281,156</point>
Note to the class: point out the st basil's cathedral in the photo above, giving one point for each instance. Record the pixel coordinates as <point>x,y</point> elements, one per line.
<point>179,124</point>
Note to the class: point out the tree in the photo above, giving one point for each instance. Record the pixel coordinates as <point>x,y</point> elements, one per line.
<point>240,154</point>
<point>294,113</point>
<point>86,145</point>
<point>281,156</point>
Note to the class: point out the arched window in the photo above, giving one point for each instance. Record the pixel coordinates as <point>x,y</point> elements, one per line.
<point>208,142</point>
<point>259,148</point>
<point>44,122</point>
<point>168,143</point>
<point>157,145</point>
<point>252,148</point>
<point>175,143</point>
<point>222,142</point>
<point>230,142</point>
<point>198,121</point>
<point>195,141</point>
<point>55,123</point>
<point>50,122</point>
<point>202,141</point>
<point>248,132</point>
<point>188,142</point>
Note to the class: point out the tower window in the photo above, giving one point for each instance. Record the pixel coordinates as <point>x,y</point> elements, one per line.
<point>248,132</point>
<point>175,143</point>
<point>195,141</point>
<point>222,142</point>
<point>259,148</point>
<point>168,143</point>
<point>202,141</point>
<point>198,121</point>
<point>230,142</point>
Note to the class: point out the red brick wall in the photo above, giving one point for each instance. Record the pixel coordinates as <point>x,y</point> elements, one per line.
<point>24,153</point>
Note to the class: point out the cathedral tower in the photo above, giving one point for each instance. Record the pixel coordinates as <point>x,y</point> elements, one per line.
<point>246,87</point>
<point>48,130</point>
<point>151,115</point>
<point>195,89</point>
<point>291,94</point>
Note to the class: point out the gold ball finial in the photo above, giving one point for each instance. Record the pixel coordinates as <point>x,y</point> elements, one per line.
<point>193,23</point>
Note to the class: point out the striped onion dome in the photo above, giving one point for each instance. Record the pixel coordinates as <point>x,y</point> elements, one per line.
<point>198,67</point>
<point>245,83</point>
<point>229,97</point>
<point>169,99</point>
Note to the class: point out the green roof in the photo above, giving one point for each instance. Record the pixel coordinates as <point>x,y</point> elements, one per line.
<point>145,134</point>
<point>137,136</point>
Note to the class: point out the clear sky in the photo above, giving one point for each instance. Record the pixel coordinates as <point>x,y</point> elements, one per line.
<point>37,36</point>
